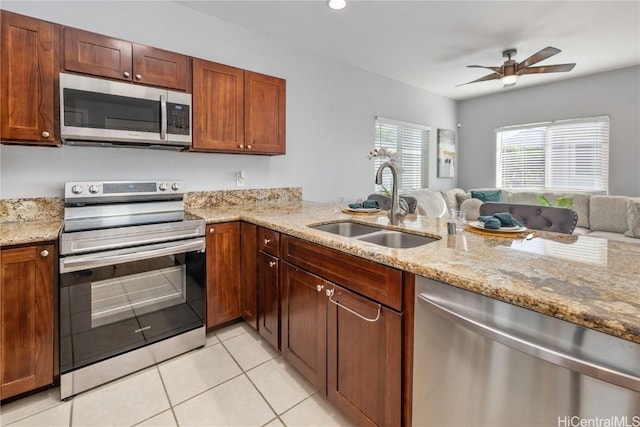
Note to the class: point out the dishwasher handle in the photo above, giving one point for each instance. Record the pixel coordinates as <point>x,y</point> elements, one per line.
<point>536,350</point>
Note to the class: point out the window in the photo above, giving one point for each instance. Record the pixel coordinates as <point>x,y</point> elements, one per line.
<point>561,155</point>
<point>411,142</point>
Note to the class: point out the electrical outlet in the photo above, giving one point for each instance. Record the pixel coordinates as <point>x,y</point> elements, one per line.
<point>240,179</point>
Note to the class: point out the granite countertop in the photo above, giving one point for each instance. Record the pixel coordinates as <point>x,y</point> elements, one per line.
<point>589,281</point>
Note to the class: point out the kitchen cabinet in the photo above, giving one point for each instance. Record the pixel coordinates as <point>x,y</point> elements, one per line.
<point>27,318</point>
<point>28,74</point>
<point>342,328</point>
<point>269,286</point>
<point>249,273</point>
<point>237,111</point>
<point>104,56</point>
<point>223,273</point>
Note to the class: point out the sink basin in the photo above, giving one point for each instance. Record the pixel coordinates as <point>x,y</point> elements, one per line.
<point>375,235</point>
<point>347,229</point>
<point>396,239</point>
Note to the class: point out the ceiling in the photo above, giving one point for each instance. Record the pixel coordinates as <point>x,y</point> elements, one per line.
<point>428,44</point>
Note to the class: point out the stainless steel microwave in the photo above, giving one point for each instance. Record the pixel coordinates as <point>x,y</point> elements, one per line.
<point>108,113</point>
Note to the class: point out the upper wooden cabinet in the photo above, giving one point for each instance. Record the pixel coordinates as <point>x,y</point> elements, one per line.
<point>237,111</point>
<point>26,314</point>
<point>99,55</point>
<point>264,113</point>
<point>28,73</point>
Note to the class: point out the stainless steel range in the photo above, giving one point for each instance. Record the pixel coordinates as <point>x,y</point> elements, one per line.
<point>132,280</point>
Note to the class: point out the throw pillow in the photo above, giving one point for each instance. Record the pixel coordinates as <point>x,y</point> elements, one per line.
<point>461,197</point>
<point>487,196</point>
<point>633,217</point>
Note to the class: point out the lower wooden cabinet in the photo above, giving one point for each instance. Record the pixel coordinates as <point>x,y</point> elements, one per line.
<point>248,273</point>
<point>223,273</point>
<point>269,298</point>
<point>27,319</point>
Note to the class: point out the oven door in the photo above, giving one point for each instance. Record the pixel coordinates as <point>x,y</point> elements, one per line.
<point>116,301</point>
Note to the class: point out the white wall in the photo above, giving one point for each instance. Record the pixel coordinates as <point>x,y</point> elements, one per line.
<point>330,111</point>
<point>614,93</point>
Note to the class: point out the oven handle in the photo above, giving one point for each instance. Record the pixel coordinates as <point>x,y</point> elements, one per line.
<point>85,262</point>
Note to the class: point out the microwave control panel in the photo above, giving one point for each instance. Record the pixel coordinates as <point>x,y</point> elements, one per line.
<point>178,119</point>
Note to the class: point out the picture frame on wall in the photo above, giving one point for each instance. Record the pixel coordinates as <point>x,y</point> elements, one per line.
<point>446,153</point>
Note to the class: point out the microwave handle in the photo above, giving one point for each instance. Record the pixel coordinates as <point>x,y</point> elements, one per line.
<point>163,117</point>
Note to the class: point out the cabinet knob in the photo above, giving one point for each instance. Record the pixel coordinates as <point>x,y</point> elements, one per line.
<point>45,134</point>
<point>267,241</point>
<point>272,263</point>
<point>319,288</point>
<point>44,253</point>
<point>126,74</point>
<point>211,230</point>
<point>249,147</point>
<point>138,76</point>
<point>240,146</point>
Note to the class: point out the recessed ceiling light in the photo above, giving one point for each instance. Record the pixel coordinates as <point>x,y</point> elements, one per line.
<point>337,4</point>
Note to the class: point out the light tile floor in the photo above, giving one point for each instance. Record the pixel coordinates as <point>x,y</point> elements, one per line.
<point>236,379</point>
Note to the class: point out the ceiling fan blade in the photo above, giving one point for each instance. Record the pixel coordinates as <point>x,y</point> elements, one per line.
<point>548,69</point>
<point>545,53</point>
<point>492,76</point>
<point>496,69</point>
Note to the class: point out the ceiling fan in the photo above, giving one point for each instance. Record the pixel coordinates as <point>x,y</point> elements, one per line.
<point>510,71</point>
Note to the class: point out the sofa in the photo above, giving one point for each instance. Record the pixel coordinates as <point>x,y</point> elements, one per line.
<point>609,217</point>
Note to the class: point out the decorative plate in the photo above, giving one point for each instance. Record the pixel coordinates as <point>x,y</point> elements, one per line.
<point>514,229</point>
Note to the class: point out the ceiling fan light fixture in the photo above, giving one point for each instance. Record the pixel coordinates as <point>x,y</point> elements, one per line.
<point>337,4</point>
<point>510,80</point>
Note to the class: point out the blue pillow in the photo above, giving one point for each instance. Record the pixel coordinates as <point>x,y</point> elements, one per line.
<point>487,196</point>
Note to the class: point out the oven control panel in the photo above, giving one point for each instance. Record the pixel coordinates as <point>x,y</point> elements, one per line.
<point>120,189</point>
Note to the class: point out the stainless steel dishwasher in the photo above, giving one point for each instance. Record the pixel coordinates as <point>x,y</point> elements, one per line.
<point>483,362</point>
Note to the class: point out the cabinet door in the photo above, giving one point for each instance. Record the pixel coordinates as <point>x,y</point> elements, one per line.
<point>264,115</point>
<point>159,67</point>
<point>26,311</point>
<point>28,75</point>
<point>304,316</point>
<point>364,348</point>
<point>95,54</point>
<point>223,273</point>
<point>248,272</point>
<point>218,107</point>
<point>269,298</point>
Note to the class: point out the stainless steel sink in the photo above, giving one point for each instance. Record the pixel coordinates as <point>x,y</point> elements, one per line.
<point>396,239</point>
<point>375,235</point>
<point>347,229</point>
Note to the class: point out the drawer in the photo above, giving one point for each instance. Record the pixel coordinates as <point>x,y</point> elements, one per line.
<point>378,282</point>
<point>269,241</point>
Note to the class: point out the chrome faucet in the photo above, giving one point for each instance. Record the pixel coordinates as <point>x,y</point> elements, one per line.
<point>395,213</point>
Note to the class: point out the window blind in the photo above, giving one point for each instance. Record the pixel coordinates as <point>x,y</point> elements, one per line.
<point>411,142</point>
<point>562,155</point>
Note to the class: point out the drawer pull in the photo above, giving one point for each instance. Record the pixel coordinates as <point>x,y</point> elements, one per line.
<point>267,241</point>
<point>138,76</point>
<point>319,288</point>
<point>212,230</point>
<point>272,263</point>
<point>126,74</point>
<point>330,294</point>
<point>45,134</point>
<point>44,253</point>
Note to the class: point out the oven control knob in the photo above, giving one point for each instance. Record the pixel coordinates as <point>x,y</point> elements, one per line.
<point>77,189</point>
<point>175,186</point>
<point>94,189</point>
<point>162,187</point>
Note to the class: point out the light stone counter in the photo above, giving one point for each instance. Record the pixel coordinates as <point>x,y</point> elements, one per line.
<point>585,280</point>
<point>26,232</point>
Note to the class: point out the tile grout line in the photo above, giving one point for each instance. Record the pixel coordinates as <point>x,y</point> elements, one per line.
<point>166,392</point>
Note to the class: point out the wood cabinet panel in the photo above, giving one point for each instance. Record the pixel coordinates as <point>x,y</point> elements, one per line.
<point>269,241</point>
<point>248,272</point>
<point>157,67</point>
<point>303,327</point>
<point>26,313</point>
<point>265,113</point>
<point>376,281</point>
<point>269,298</point>
<point>28,74</point>
<point>218,107</point>
<point>364,365</point>
<point>96,54</point>
<point>223,273</point>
